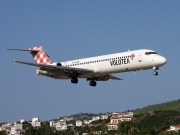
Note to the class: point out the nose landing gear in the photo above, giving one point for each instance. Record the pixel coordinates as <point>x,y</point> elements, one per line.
<point>155,71</point>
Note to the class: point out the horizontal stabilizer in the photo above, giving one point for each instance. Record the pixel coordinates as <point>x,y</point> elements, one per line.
<point>23,50</point>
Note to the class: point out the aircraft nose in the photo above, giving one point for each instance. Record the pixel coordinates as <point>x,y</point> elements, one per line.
<point>163,60</point>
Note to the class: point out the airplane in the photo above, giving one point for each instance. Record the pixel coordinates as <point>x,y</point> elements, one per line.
<point>99,68</point>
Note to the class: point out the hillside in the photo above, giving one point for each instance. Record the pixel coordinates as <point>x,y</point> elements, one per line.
<point>173,105</point>
<point>160,120</point>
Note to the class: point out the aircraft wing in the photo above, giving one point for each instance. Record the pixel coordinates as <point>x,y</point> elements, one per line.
<point>114,78</point>
<point>67,69</point>
<point>79,70</point>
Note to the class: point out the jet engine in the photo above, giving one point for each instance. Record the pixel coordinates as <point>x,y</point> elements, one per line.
<point>58,64</point>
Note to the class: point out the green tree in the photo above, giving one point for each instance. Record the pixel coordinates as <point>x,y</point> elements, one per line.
<point>148,131</point>
<point>121,126</point>
<point>29,129</point>
<point>133,131</point>
<point>103,127</point>
<point>45,129</point>
<point>3,133</point>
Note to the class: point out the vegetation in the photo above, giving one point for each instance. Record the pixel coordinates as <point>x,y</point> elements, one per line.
<point>152,123</point>
<point>173,105</point>
<point>151,120</point>
<point>160,120</point>
<point>43,130</point>
<point>2,132</point>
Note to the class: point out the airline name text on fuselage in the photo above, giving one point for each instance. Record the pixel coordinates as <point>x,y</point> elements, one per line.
<point>120,62</point>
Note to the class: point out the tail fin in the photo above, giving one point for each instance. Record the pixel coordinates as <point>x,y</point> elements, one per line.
<point>39,55</point>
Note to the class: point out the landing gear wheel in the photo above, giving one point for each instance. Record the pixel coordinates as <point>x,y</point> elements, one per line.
<point>92,83</point>
<point>155,73</point>
<point>74,80</point>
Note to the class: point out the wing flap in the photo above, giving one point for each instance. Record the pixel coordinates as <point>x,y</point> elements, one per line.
<point>114,78</point>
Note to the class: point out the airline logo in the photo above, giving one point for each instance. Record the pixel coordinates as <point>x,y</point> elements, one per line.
<point>40,57</point>
<point>132,56</point>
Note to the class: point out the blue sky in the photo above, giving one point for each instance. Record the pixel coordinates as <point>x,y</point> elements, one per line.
<point>75,29</point>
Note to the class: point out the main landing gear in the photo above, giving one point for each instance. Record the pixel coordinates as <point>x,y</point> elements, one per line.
<point>155,71</point>
<point>92,83</point>
<point>74,80</point>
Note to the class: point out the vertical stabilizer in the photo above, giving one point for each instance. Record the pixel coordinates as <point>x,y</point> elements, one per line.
<point>39,55</point>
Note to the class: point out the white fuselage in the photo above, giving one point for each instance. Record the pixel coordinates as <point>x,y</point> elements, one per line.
<point>117,63</point>
<point>99,68</point>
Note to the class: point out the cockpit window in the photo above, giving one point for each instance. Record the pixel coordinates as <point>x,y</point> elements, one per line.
<point>148,53</point>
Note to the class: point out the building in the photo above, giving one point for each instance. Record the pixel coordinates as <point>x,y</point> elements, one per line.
<point>68,118</point>
<point>36,123</point>
<point>95,118</point>
<point>78,123</point>
<point>117,117</point>
<point>61,125</point>
<point>22,120</point>
<point>112,126</point>
<point>174,128</point>
<point>104,117</point>
<point>6,127</point>
<point>51,123</point>
<point>16,129</point>
<point>115,120</point>
<point>87,122</point>
<point>120,114</point>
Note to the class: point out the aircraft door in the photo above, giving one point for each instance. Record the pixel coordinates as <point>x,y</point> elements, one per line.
<point>140,58</point>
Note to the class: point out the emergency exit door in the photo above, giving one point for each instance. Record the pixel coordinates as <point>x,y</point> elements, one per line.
<point>140,58</point>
